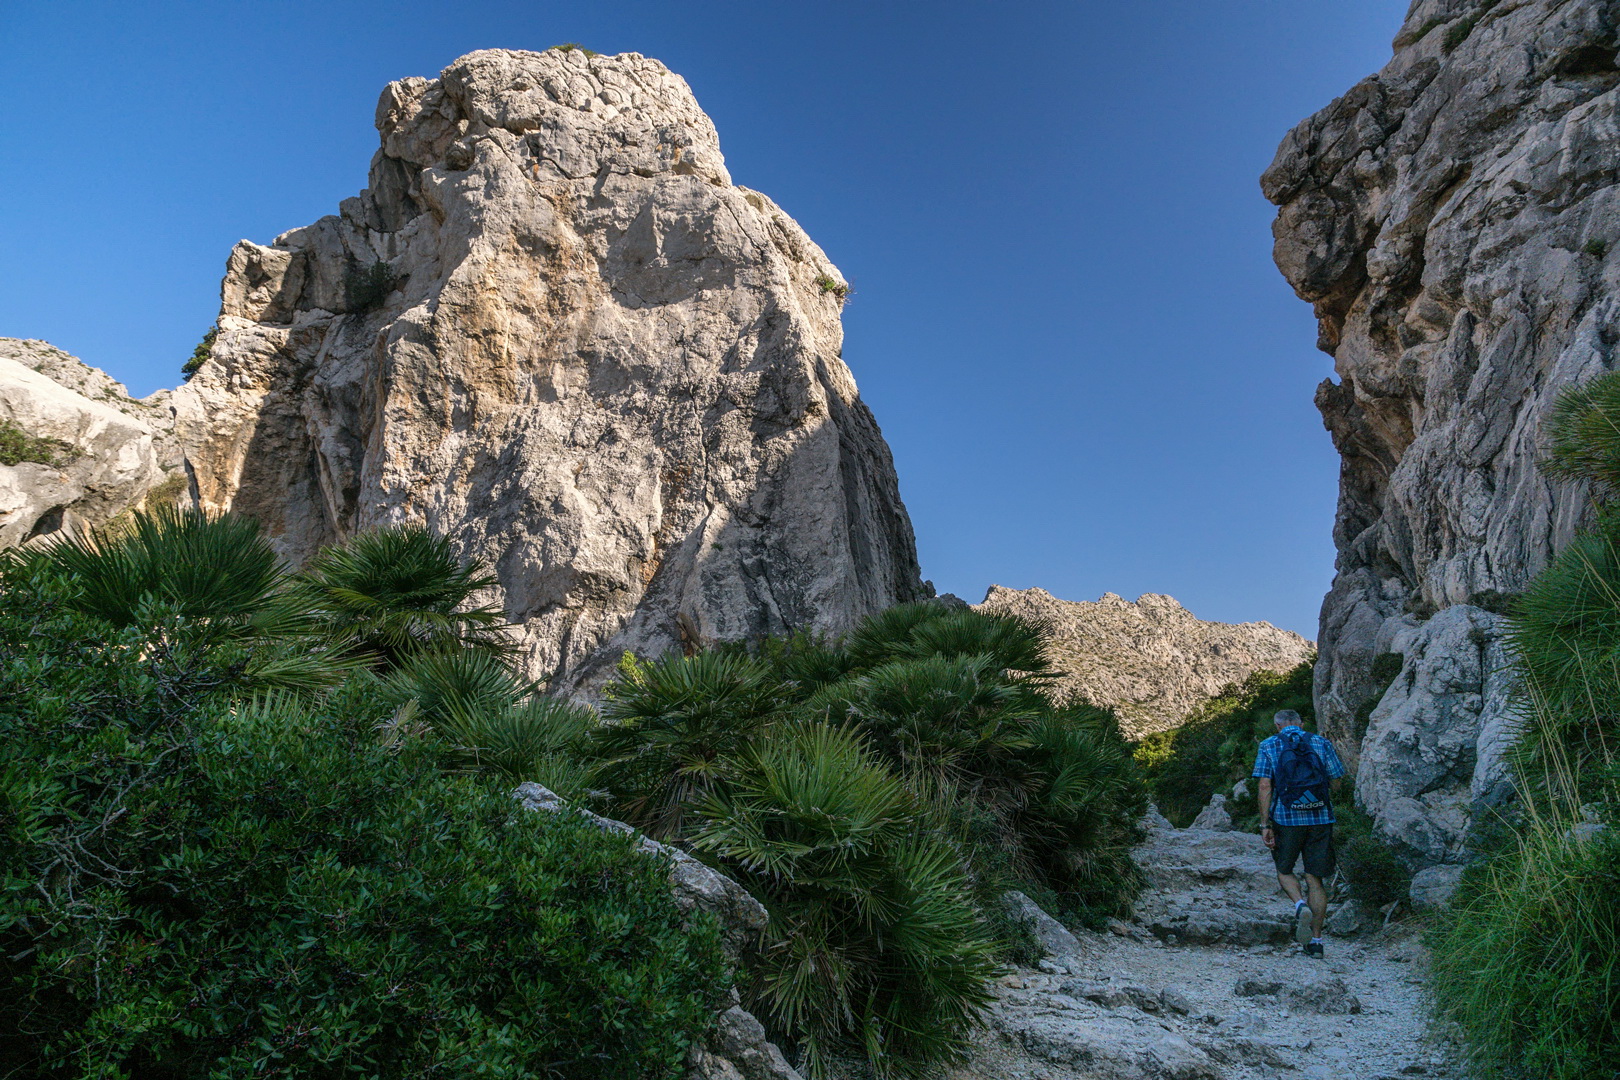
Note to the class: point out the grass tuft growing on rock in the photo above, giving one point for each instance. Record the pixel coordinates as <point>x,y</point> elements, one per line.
<point>18,446</point>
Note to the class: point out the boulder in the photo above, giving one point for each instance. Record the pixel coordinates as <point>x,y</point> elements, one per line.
<point>553,330</point>
<point>1350,918</point>
<point>1329,997</point>
<point>1434,886</point>
<point>1209,888</point>
<point>1214,817</point>
<point>1053,937</point>
<point>1436,744</point>
<point>1094,1041</point>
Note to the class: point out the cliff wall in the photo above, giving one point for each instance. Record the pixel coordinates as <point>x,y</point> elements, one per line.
<point>1453,221</point>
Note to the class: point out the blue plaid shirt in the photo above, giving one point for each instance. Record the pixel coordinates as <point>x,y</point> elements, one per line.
<point>1265,765</point>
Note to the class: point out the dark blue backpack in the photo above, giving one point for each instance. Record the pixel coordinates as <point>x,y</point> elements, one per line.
<point>1302,779</point>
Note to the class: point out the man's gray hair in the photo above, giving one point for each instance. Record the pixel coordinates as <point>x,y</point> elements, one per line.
<point>1287,718</point>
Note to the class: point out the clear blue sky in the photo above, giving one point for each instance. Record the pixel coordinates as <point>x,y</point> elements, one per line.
<point>1065,314</point>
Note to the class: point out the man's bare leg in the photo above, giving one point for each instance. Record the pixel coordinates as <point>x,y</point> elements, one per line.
<point>1318,903</point>
<point>1290,885</point>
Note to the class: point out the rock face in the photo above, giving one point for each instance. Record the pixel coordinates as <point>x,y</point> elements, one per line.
<point>1453,219</point>
<point>553,330</point>
<point>1151,661</point>
<point>111,452</point>
<point>1436,744</point>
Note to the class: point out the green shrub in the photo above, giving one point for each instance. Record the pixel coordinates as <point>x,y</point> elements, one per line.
<point>195,885</point>
<point>1423,31</point>
<point>366,287</point>
<point>201,354</point>
<point>831,286</point>
<point>486,719</point>
<point>1596,247</point>
<point>1216,746</point>
<point>938,722</point>
<point>1459,31</point>
<point>874,944</point>
<point>1374,873</point>
<point>17,446</point>
<point>1081,819</point>
<point>197,582</point>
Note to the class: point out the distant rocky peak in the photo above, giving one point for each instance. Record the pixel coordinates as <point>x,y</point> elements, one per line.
<point>1151,661</point>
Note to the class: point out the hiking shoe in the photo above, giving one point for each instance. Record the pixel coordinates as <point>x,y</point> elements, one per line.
<point>1313,949</point>
<point>1302,923</point>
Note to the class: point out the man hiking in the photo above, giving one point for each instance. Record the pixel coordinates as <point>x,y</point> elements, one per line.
<point>1298,771</point>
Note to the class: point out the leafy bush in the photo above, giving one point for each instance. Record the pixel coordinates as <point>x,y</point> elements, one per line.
<point>1216,746</point>
<point>197,885</point>
<point>873,940</point>
<point>17,446</point>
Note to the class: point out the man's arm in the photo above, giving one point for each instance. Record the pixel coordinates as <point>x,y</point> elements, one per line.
<point>1265,811</point>
<point>1335,767</point>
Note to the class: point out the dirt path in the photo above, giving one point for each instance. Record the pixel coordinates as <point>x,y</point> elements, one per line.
<point>1206,983</point>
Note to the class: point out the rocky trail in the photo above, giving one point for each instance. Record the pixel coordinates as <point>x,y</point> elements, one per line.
<point>1206,982</point>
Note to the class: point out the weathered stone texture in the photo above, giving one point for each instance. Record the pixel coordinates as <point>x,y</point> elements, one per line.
<point>552,329</point>
<point>1153,662</point>
<point>1435,750</point>
<point>1455,221</point>
<point>115,449</point>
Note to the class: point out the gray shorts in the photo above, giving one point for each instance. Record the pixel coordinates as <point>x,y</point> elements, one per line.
<point>1315,842</point>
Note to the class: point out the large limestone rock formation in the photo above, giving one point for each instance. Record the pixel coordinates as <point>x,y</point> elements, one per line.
<point>553,329</point>
<point>104,452</point>
<point>1453,219</point>
<point>1153,662</point>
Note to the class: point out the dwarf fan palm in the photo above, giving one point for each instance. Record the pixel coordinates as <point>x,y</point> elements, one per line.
<point>669,724</point>
<point>392,593</point>
<point>488,720</point>
<point>947,715</point>
<point>198,583</point>
<point>874,945</point>
<point>218,569</point>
